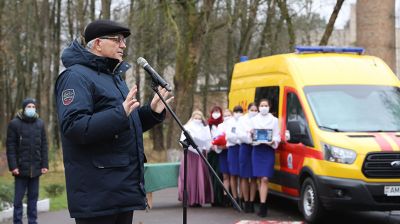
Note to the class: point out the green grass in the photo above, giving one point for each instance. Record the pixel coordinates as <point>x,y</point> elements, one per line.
<point>57,203</point>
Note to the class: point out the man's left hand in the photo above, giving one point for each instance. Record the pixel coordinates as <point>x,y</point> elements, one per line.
<point>156,104</point>
<point>44,170</point>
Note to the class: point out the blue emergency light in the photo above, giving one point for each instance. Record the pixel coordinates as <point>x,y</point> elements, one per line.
<point>328,49</point>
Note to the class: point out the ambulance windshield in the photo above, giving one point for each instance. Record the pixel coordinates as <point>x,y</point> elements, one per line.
<point>355,108</point>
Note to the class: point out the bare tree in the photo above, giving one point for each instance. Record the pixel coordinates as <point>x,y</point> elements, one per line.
<point>331,23</point>
<point>189,21</point>
<point>105,9</point>
<point>3,113</point>
<point>285,14</point>
<point>266,34</point>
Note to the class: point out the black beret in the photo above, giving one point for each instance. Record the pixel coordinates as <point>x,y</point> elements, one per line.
<point>104,27</point>
<point>27,101</point>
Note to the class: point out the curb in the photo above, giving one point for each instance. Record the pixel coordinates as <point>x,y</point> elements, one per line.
<point>42,206</point>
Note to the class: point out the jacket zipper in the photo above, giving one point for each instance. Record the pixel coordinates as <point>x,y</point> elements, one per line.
<point>30,155</point>
<point>113,72</point>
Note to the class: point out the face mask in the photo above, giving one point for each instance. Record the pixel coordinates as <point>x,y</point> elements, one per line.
<point>237,115</point>
<point>252,113</point>
<point>264,110</point>
<point>30,112</point>
<point>197,121</point>
<point>216,115</point>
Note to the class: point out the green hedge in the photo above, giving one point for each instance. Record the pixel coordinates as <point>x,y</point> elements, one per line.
<point>6,195</point>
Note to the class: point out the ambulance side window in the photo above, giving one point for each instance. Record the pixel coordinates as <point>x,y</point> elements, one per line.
<point>272,94</point>
<point>296,121</point>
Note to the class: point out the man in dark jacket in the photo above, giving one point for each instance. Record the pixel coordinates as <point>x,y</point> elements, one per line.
<point>102,127</point>
<point>27,157</point>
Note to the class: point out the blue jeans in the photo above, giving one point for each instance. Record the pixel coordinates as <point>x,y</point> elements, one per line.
<point>21,186</point>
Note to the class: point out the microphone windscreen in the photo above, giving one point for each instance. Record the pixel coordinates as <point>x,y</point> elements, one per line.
<point>141,61</point>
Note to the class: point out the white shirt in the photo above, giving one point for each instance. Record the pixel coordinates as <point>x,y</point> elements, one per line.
<point>201,135</point>
<point>231,130</point>
<point>267,122</point>
<point>245,127</point>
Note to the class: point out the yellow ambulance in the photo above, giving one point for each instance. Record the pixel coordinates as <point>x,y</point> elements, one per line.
<point>339,115</point>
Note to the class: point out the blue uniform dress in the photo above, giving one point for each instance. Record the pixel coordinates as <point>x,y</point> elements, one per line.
<point>246,149</point>
<point>263,159</point>
<point>233,143</point>
<point>233,159</point>
<point>223,155</point>
<point>245,161</point>
<point>223,162</point>
<point>263,155</point>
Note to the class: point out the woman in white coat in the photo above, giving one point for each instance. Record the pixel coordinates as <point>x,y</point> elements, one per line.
<point>263,156</point>
<point>199,185</point>
<point>248,184</point>
<point>233,144</point>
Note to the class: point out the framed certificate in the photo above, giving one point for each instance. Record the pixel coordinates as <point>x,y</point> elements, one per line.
<point>262,136</point>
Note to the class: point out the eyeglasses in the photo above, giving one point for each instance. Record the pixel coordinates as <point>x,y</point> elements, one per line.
<point>117,39</point>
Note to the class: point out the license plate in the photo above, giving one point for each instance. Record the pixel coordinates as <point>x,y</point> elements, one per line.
<point>392,190</point>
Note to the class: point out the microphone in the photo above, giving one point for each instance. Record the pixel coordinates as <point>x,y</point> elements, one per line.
<point>154,75</point>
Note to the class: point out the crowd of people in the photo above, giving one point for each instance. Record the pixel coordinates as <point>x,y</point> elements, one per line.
<point>240,147</point>
<point>101,125</point>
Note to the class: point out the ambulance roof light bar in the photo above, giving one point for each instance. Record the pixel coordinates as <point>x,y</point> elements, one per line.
<point>328,49</point>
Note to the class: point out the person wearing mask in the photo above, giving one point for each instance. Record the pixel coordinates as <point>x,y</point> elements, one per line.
<point>102,125</point>
<point>248,184</point>
<point>233,144</point>
<point>214,121</point>
<point>199,185</point>
<point>27,156</point>
<point>263,156</point>
<point>221,148</point>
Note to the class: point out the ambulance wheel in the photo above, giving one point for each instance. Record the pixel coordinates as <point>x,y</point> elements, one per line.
<point>309,203</point>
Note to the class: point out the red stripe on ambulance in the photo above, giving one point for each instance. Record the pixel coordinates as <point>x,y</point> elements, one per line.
<point>383,143</point>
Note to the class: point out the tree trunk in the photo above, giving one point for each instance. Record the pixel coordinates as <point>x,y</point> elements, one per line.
<point>266,34</point>
<point>92,10</point>
<point>331,23</point>
<point>70,16</point>
<point>248,23</point>
<point>105,9</point>
<point>376,30</point>
<point>285,13</point>
<point>3,109</point>
<point>53,124</point>
<point>190,32</point>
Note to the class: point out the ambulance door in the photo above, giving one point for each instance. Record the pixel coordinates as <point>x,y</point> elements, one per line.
<point>295,143</point>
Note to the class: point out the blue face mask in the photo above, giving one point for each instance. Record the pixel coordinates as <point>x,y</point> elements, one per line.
<point>30,112</point>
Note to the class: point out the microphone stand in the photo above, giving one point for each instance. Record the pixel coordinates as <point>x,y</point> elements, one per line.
<point>186,143</point>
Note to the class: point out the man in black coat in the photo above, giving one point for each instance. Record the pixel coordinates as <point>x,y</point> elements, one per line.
<point>102,127</point>
<point>27,156</point>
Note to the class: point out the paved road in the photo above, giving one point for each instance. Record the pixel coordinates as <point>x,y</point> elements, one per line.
<point>167,210</point>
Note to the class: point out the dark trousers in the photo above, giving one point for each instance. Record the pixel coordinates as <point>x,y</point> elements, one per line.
<point>121,218</point>
<point>21,186</point>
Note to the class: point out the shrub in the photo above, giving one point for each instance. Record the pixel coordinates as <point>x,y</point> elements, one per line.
<point>54,190</point>
<point>6,195</point>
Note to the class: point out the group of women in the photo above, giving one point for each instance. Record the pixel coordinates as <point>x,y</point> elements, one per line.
<point>230,142</point>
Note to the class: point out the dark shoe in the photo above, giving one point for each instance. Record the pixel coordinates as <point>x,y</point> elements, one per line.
<point>263,210</point>
<point>248,207</point>
<point>195,206</point>
<point>225,201</point>
<point>251,209</point>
